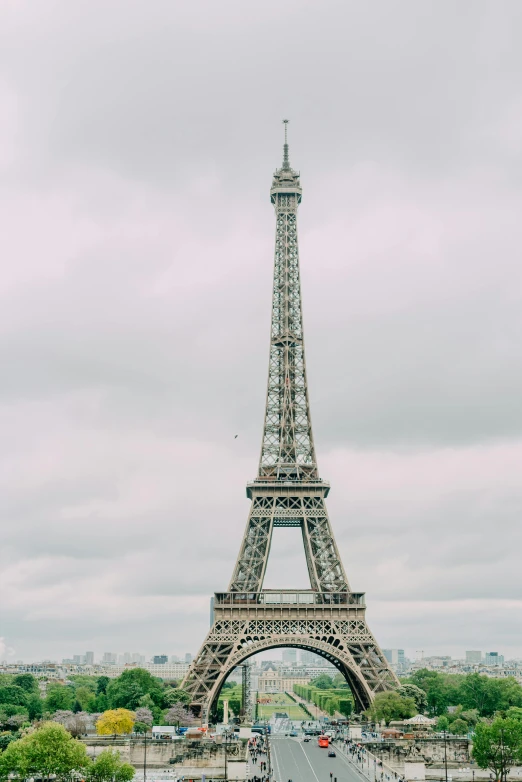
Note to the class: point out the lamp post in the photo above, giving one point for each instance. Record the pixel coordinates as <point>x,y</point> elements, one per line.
<point>145,758</point>
<point>445,756</point>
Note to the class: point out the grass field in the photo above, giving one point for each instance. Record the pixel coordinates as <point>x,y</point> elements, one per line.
<point>280,702</point>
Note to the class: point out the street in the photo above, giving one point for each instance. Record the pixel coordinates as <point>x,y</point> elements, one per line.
<point>306,762</point>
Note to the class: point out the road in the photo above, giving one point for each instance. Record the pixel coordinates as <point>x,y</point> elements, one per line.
<point>307,762</point>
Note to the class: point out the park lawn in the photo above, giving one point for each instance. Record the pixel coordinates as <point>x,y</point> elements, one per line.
<point>282,703</point>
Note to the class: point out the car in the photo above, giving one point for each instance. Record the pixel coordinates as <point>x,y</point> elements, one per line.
<point>306,738</point>
<point>332,754</point>
<point>294,733</point>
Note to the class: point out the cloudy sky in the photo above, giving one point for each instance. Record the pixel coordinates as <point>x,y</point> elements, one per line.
<point>137,144</point>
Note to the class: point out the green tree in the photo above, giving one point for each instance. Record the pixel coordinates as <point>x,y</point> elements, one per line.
<point>459,727</point>
<point>127,690</point>
<point>345,706</point>
<point>322,682</point>
<point>340,682</point>
<point>390,706</point>
<point>49,751</point>
<point>235,706</point>
<point>515,713</point>
<point>108,767</point>
<point>437,690</point>
<point>489,695</point>
<point>498,746</point>
<point>13,694</point>
<point>27,682</point>
<point>176,695</point>
<point>100,703</point>
<point>101,684</point>
<point>59,696</point>
<point>34,706</point>
<point>419,696</point>
<point>443,723</point>
<point>84,695</point>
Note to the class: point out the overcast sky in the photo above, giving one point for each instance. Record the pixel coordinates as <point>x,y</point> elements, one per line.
<point>137,145</point>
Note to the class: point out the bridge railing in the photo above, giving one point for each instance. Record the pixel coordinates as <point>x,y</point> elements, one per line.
<point>289,597</point>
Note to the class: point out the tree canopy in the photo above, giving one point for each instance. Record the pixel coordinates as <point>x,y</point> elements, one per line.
<point>128,689</point>
<point>390,706</point>
<point>474,691</point>
<point>50,750</point>
<point>322,682</point>
<point>108,767</point>
<point>498,746</point>
<point>115,722</point>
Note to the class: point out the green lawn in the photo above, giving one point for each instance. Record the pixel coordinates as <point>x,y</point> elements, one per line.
<point>282,703</point>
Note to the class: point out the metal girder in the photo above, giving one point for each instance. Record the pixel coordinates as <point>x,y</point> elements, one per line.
<point>288,493</point>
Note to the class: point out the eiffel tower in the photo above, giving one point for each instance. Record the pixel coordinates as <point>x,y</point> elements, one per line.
<point>328,619</point>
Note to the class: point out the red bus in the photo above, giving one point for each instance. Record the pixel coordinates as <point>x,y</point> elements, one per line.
<point>323,741</point>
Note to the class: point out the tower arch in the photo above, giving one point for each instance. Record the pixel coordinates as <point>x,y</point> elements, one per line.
<point>340,658</point>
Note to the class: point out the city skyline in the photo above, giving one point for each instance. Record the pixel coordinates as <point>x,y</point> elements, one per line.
<point>135,327</point>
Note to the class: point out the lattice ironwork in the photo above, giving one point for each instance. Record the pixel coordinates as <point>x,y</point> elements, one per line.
<point>329,619</point>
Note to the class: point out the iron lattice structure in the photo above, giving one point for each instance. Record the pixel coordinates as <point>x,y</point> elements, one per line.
<point>329,619</point>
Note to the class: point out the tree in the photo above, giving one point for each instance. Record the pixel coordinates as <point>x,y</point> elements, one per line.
<point>437,687</point>
<point>127,690</point>
<point>180,715</point>
<point>84,696</point>
<point>443,723</point>
<point>34,706</point>
<point>50,750</point>
<point>390,706</point>
<point>13,694</point>
<point>108,767</point>
<point>339,682</point>
<point>322,682</point>
<point>459,726</point>
<point>345,706</point>
<point>115,722</point>
<point>418,695</point>
<point>100,703</point>
<point>176,695</point>
<point>144,715</point>
<point>235,706</point>
<point>498,746</point>
<point>101,685</point>
<point>514,713</point>
<point>27,682</point>
<point>74,722</point>
<point>59,697</point>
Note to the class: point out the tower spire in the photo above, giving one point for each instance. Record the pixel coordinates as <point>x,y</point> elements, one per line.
<point>286,161</point>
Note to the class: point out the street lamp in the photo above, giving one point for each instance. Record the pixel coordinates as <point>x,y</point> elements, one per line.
<point>445,755</point>
<point>145,758</point>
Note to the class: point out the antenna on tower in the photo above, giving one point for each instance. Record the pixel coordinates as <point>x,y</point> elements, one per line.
<point>286,162</point>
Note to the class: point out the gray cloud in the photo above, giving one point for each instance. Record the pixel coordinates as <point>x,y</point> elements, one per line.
<point>136,150</point>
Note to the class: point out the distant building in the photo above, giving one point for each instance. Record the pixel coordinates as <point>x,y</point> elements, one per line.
<point>109,657</point>
<point>494,658</point>
<point>89,658</point>
<point>289,656</point>
<point>188,657</point>
<point>272,681</point>
<point>160,659</point>
<point>309,658</point>
<point>166,671</point>
<point>396,658</point>
<point>474,657</point>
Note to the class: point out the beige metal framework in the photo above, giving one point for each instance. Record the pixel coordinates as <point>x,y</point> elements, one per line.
<point>328,619</point>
